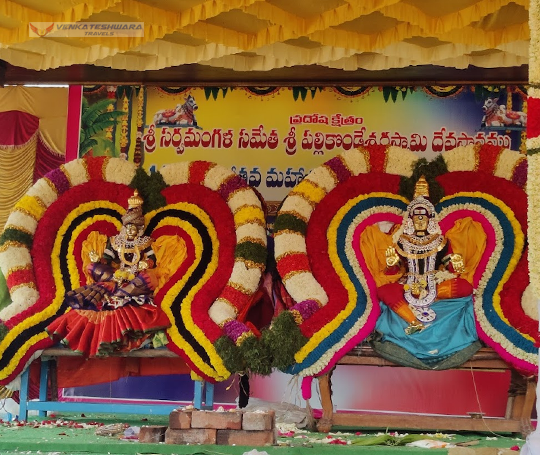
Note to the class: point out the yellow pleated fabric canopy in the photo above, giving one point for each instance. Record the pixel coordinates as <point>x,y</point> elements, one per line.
<point>260,35</point>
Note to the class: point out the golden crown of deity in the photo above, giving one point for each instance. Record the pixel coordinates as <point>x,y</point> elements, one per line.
<point>421,188</point>
<point>421,205</point>
<point>135,200</point>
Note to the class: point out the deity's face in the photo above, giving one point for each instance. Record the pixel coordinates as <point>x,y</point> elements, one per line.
<point>420,223</point>
<point>131,231</point>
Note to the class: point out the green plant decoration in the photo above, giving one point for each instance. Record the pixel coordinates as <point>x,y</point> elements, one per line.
<point>393,92</point>
<point>149,187</point>
<point>95,119</point>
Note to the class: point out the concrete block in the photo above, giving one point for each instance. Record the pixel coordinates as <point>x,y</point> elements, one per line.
<point>246,438</point>
<point>219,420</point>
<point>152,433</point>
<point>258,421</point>
<point>191,436</point>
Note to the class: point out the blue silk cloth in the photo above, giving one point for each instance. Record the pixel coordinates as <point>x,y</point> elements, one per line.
<point>452,330</point>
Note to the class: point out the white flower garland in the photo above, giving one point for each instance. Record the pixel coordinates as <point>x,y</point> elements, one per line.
<point>286,242</point>
<point>242,203</point>
<point>355,161</point>
<point>43,190</point>
<point>533,191</point>
<point>119,171</point>
<point>77,172</point>
<point>17,219</point>
<point>243,197</point>
<point>463,158</point>
<point>400,161</point>
<point>508,159</point>
<point>297,206</point>
<point>176,173</point>
<point>322,177</point>
<point>534,44</point>
<point>303,286</point>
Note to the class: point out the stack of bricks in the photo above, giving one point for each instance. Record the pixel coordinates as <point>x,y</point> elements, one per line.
<point>191,426</point>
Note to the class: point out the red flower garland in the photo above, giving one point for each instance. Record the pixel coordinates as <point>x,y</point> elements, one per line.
<point>488,156</point>
<point>317,242</point>
<point>220,213</point>
<point>47,231</point>
<point>500,188</point>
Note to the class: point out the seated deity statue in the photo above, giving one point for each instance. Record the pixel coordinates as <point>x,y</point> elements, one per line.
<point>424,283</point>
<point>424,264</point>
<point>116,310</point>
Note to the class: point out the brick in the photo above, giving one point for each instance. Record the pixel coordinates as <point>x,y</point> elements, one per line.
<point>246,438</point>
<point>218,420</point>
<point>486,451</point>
<point>258,421</point>
<point>192,436</point>
<point>180,419</point>
<point>461,451</point>
<point>152,433</point>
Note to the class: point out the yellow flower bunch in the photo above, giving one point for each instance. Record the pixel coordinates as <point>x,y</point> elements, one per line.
<point>123,275</point>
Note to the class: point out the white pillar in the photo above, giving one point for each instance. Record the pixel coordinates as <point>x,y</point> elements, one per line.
<point>532,445</point>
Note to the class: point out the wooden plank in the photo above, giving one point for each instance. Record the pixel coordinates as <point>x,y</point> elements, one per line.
<point>417,422</point>
<point>64,352</point>
<point>484,359</point>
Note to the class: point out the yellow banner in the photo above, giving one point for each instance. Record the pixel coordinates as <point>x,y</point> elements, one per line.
<point>273,137</point>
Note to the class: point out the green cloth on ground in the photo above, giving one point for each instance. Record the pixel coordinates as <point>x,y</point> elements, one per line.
<point>67,439</point>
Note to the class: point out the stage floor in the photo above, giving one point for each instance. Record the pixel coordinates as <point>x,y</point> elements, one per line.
<point>75,434</point>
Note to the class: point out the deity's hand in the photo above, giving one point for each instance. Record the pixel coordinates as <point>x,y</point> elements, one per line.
<point>94,257</point>
<point>143,265</point>
<point>457,263</point>
<point>392,257</point>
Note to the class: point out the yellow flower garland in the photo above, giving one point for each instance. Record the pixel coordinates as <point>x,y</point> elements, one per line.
<point>220,372</point>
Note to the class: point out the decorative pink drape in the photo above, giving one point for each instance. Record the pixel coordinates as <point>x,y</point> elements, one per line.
<point>46,159</point>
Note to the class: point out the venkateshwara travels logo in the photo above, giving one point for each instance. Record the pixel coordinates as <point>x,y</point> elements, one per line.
<point>85,29</point>
<point>40,31</point>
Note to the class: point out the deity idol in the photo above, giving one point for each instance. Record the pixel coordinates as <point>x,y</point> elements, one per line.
<point>424,265</point>
<point>116,311</point>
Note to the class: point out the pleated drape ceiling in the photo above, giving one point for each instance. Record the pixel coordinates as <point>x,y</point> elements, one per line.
<point>247,35</point>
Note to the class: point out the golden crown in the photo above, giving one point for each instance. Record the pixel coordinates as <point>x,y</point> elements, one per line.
<point>135,200</point>
<point>421,188</point>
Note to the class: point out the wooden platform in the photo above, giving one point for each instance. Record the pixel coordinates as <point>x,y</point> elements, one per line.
<point>517,419</point>
<point>203,397</point>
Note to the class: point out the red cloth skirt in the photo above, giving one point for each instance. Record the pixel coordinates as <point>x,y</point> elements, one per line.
<point>98,333</point>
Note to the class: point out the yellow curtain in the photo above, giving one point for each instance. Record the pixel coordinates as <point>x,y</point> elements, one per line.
<point>247,35</point>
<point>17,165</point>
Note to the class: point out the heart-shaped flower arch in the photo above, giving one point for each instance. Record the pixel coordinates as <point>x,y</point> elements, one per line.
<point>316,241</point>
<point>218,215</point>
